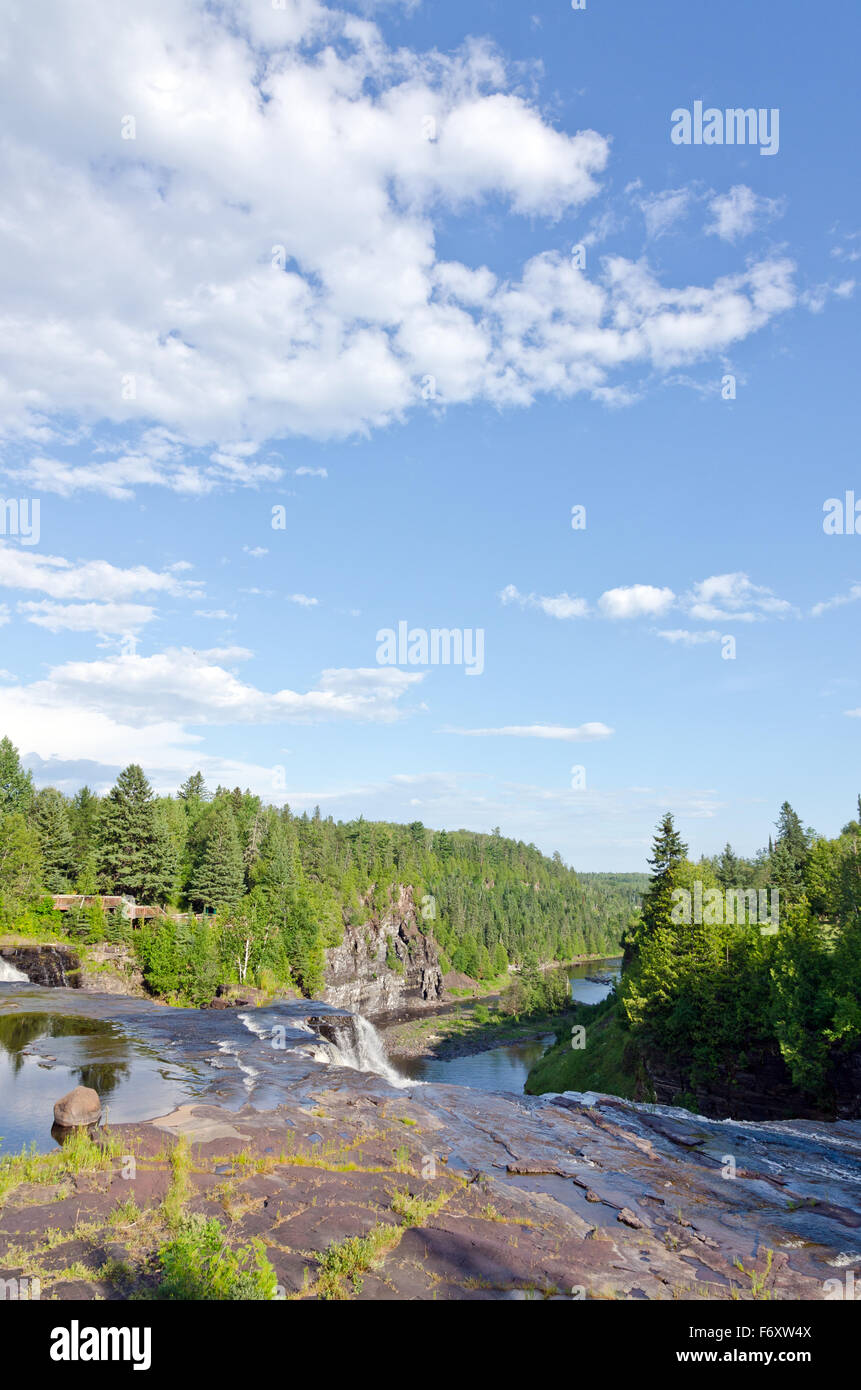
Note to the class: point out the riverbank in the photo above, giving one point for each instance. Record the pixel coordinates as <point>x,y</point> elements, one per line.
<point>461,1030</point>
<point>461,1034</point>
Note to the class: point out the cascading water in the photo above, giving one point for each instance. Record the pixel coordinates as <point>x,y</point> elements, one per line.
<point>10,976</point>
<point>355,1043</point>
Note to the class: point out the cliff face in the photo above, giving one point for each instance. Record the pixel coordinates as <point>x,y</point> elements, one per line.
<point>763,1090</point>
<point>357,976</point>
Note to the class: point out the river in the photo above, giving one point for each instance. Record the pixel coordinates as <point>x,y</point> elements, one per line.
<point>506,1068</point>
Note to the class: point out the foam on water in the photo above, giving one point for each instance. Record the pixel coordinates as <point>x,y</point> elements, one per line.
<point>10,976</point>
<point>361,1048</point>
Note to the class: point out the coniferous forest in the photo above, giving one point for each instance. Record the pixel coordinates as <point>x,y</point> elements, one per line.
<point>713,991</point>
<point>257,894</point>
<point>731,964</point>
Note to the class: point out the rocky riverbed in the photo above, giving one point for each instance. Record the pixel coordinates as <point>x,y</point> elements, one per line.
<point>464,1194</point>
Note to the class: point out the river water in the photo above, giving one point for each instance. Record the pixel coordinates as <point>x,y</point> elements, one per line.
<point>506,1068</point>
<point>144,1060</point>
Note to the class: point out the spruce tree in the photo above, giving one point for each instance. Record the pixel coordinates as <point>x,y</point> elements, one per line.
<point>16,784</point>
<point>668,851</point>
<point>55,839</point>
<point>219,879</point>
<point>728,868</point>
<point>20,866</point>
<point>790,854</point>
<point>84,820</point>
<point>194,788</point>
<point>133,848</point>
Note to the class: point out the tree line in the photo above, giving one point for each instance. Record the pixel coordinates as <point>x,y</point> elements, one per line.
<point>256,893</point>
<point>714,993</point>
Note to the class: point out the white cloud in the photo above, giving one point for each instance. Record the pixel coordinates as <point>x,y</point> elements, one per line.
<point>737,213</point>
<point>635,601</point>
<point>681,636</point>
<point>123,708</point>
<point>303,600</point>
<point>817,296</point>
<point>305,472</point>
<point>837,601</point>
<point>662,210</point>
<point>87,617</point>
<point>582,733</point>
<point>555,606</point>
<point>734,596</point>
<point>216,613</point>
<point>86,579</point>
<point>261,260</point>
<point>255,551</point>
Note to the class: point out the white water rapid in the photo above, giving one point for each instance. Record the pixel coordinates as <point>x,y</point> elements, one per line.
<point>10,976</point>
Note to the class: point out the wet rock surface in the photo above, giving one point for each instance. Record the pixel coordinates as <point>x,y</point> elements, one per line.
<point>54,966</point>
<point>468,1195</point>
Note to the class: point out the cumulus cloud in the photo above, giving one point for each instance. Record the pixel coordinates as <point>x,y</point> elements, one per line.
<point>735,596</point>
<point>144,707</point>
<point>60,578</point>
<point>105,618</point>
<point>635,601</point>
<point>260,260</point>
<point>555,606</point>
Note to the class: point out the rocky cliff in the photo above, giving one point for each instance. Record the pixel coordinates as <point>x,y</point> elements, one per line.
<point>386,964</point>
<point>762,1089</point>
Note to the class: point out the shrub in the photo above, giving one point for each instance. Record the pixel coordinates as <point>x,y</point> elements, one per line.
<point>199,1265</point>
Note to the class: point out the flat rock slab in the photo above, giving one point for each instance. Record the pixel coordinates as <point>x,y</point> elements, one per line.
<point>197,1125</point>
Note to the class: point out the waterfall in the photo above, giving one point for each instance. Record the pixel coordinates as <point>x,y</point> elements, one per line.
<point>355,1043</point>
<point>9,975</point>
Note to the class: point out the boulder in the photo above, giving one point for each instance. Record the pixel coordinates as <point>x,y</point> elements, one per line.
<point>79,1107</point>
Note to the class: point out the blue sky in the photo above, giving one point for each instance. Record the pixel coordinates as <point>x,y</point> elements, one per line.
<point>334,271</point>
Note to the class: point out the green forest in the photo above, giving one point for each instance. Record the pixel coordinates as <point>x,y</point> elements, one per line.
<point>256,894</point>
<point>716,996</point>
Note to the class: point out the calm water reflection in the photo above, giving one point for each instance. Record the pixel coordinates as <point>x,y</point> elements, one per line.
<point>42,1056</point>
<point>500,1069</point>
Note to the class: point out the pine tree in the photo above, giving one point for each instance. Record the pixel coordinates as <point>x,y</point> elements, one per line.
<point>55,839</point>
<point>194,788</point>
<point>133,848</point>
<point>219,880</point>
